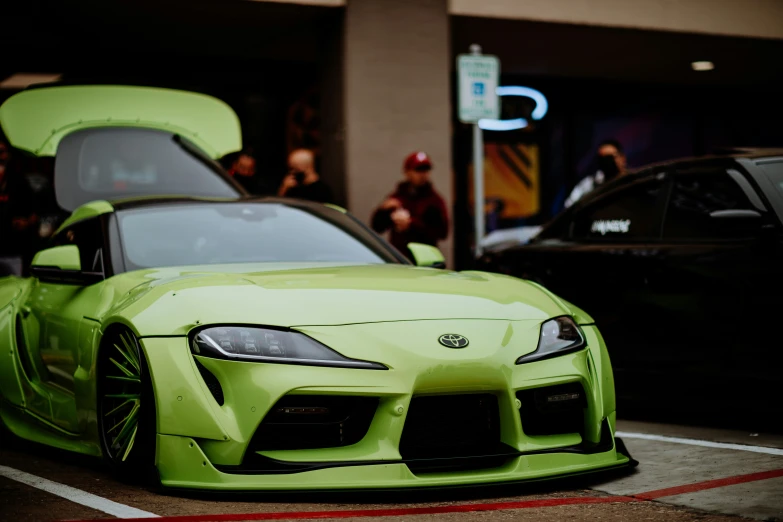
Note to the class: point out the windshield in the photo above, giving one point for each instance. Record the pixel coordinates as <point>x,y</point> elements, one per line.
<point>250,232</point>
<point>115,163</point>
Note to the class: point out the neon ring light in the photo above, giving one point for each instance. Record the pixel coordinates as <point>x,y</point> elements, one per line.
<point>517,123</point>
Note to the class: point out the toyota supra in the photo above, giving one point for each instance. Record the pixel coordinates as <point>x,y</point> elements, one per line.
<point>177,326</point>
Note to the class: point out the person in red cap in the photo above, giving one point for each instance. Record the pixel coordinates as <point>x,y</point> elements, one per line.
<point>414,212</point>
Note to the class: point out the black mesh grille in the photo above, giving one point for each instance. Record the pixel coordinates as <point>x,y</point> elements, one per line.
<point>553,410</point>
<point>314,421</point>
<point>451,426</point>
<point>212,383</point>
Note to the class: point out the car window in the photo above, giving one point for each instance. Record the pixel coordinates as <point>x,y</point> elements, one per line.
<point>225,233</point>
<point>116,163</point>
<point>88,236</point>
<point>632,213</point>
<point>775,173</point>
<point>695,195</point>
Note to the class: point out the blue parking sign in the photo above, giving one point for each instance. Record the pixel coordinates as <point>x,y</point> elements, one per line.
<point>477,85</point>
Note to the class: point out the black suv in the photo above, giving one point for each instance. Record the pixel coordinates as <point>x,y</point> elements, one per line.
<point>681,266</point>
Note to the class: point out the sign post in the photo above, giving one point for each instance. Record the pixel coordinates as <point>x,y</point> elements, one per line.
<point>478,76</point>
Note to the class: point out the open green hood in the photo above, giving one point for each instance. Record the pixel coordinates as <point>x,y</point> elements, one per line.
<point>37,119</point>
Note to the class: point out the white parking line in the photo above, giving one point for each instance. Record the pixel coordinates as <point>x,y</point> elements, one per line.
<point>704,443</point>
<point>75,495</point>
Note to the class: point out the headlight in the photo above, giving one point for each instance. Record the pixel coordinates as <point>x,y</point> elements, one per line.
<point>241,343</point>
<point>558,336</point>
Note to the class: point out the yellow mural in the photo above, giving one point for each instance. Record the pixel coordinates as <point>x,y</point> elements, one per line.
<point>511,174</point>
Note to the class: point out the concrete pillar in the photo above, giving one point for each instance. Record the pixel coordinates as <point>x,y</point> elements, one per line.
<point>396,98</point>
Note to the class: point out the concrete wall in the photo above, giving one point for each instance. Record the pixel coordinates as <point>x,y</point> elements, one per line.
<point>396,67</point>
<point>320,3</point>
<point>751,18</point>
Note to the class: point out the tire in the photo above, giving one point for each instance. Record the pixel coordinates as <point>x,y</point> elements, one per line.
<point>126,408</point>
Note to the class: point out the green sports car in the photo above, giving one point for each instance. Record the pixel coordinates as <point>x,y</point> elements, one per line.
<point>235,343</point>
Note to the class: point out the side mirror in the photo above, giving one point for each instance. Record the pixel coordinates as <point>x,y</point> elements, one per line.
<point>427,255</point>
<point>743,223</point>
<point>62,264</point>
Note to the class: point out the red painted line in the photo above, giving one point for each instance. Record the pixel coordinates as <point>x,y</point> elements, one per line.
<point>392,512</point>
<point>709,484</point>
<point>465,508</point>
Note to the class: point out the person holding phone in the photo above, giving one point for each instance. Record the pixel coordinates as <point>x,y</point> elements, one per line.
<point>302,181</point>
<point>414,212</point>
<point>610,163</point>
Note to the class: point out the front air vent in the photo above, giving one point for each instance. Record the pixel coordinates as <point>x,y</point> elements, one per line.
<point>451,427</point>
<point>553,410</point>
<point>212,383</point>
<point>22,351</point>
<point>314,421</point>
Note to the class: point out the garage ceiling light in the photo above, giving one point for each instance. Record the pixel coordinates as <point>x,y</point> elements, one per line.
<point>22,80</point>
<point>702,66</point>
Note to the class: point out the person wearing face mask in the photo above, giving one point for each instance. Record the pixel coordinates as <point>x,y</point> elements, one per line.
<point>414,212</point>
<point>302,181</point>
<point>610,164</point>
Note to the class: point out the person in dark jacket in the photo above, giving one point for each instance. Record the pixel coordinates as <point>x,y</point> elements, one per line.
<point>414,212</point>
<point>302,180</point>
<point>243,170</point>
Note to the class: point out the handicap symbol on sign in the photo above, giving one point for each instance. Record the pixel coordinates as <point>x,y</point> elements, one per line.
<point>478,88</point>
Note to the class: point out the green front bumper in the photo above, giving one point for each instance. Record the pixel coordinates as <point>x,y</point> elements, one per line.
<point>184,465</point>
<point>202,444</point>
